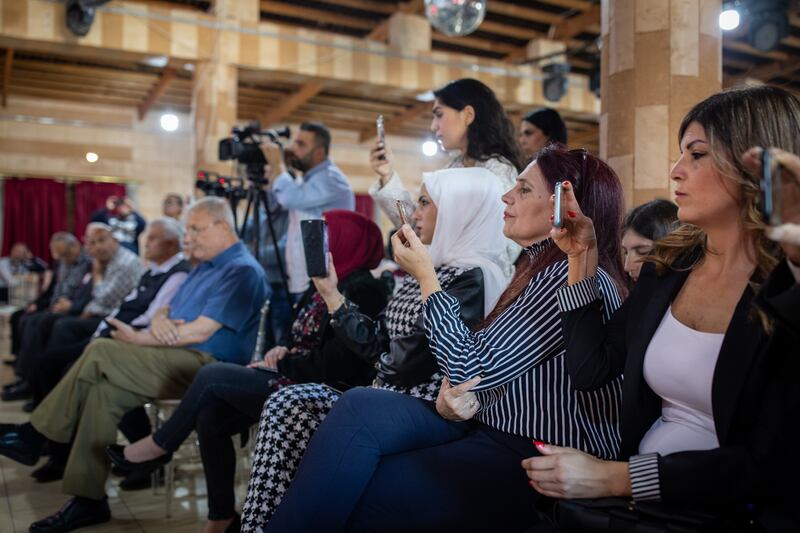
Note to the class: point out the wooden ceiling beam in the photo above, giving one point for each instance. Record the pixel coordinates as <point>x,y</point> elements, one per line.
<point>156,91</point>
<point>372,6</point>
<point>315,14</point>
<point>527,13</point>
<point>475,43</point>
<point>7,66</point>
<point>572,26</point>
<point>767,72</point>
<point>295,100</point>
<point>392,124</point>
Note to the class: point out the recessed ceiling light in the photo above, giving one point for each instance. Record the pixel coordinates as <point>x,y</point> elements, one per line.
<point>92,157</point>
<point>169,122</point>
<point>430,148</point>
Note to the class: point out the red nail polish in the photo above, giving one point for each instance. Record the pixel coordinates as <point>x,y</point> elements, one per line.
<point>531,484</point>
<point>567,184</point>
<point>551,217</point>
<point>572,214</point>
<point>538,443</point>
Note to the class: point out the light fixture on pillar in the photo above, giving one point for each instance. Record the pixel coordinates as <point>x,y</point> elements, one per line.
<point>169,122</point>
<point>555,81</point>
<point>729,18</point>
<point>769,23</point>
<point>455,18</point>
<point>80,15</point>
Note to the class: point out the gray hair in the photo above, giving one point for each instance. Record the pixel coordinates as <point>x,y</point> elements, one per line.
<point>171,227</point>
<point>217,208</point>
<point>67,239</point>
<point>99,225</point>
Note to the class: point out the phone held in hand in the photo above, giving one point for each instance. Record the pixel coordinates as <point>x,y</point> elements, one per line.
<point>770,188</point>
<point>381,130</point>
<point>401,211</point>
<point>558,209</point>
<point>315,245</point>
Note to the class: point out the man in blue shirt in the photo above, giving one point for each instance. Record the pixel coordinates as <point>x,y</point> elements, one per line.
<point>213,317</point>
<point>322,187</point>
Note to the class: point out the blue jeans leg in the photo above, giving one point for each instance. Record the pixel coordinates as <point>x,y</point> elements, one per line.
<point>364,426</point>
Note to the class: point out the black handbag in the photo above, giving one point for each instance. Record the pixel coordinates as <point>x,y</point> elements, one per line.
<point>620,515</point>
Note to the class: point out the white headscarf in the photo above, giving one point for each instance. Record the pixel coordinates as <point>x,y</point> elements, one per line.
<point>469,225</point>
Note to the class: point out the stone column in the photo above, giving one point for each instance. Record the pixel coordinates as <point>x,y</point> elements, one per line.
<point>214,98</point>
<point>411,33</point>
<point>660,57</point>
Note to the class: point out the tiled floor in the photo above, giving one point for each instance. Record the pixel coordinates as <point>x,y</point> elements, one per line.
<point>23,500</point>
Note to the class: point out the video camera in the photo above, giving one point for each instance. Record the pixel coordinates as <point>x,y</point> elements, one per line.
<point>213,184</point>
<point>243,146</point>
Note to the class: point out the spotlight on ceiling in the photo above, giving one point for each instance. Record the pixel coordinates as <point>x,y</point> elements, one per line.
<point>169,122</point>
<point>555,81</point>
<point>769,23</point>
<point>430,148</point>
<point>729,19</point>
<point>92,157</point>
<point>80,15</point>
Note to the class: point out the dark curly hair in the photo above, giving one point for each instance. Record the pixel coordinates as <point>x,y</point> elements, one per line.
<point>491,134</point>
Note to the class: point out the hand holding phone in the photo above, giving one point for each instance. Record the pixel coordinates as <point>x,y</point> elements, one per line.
<point>558,209</point>
<point>770,188</point>
<point>315,246</point>
<point>381,130</point>
<point>401,211</point>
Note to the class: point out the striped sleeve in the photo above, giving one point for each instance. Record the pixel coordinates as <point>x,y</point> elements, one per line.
<point>643,470</point>
<point>571,297</point>
<point>522,337</point>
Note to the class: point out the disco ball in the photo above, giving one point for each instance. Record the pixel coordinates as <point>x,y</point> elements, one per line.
<point>455,17</point>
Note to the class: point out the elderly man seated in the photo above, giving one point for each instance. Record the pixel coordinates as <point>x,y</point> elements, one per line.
<point>213,317</point>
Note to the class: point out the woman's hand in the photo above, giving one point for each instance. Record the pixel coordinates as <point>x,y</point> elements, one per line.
<point>328,287</point>
<point>458,403</point>
<point>570,473</point>
<point>576,238</point>
<point>788,233</point>
<point>380,158</point>
<point>272,357</point>
<point>413,257</point>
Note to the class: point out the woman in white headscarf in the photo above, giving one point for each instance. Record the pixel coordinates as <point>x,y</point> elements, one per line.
<point>459,215</point>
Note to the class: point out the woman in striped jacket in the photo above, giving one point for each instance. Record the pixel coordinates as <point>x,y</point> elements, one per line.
<point>387,462</point>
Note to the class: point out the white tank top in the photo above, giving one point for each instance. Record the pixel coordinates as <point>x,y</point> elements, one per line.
<point>679,366</point>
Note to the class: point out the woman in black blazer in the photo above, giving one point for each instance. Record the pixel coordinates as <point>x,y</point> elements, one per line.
<point>702,277</point>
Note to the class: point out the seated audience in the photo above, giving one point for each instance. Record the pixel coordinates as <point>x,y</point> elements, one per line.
<point>20,261</point>
<point>383,461</point>
<point>468,119</point>
<point>172,206</point>
<point>539,128</point>
<point>126,224</point>
<point>115,272</point>
<point>695,355</point>
<point>213,317</point>
<point>643,224</point>
<point>468,263</point>
<point>226,399</point>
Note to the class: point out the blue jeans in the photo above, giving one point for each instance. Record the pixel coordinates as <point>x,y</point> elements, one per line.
<point>383,461</point>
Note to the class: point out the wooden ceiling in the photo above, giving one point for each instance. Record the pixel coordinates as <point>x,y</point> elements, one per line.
<point>508,26</point>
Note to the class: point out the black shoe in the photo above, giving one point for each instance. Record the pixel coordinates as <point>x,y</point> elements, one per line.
<point>51,471</point>
<point>28,406</point>
<point>77,512</point>
<point>10,362</point>
<point>22,450</point>
<point>235,526</point>
<point>140,480</point>
<point>116,453</point>
<point>117,471</point>
<point>12,385</point>
<point>20,391</point>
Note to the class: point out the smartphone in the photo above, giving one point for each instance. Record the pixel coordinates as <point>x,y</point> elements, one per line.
<point>401,211</point>
<point>558,209</point>
<point>770,189</point>
<point>315,245</point>
<point>381,130</point>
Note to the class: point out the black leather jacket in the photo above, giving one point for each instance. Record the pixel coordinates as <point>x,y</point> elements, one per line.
<point>404,361</point>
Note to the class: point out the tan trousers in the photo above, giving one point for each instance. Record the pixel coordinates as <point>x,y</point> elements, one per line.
<point>109,379</point>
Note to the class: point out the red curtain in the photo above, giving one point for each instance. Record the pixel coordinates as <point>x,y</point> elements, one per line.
<point>89,197</point>
<point>33,209</point>
<point>365,205</point>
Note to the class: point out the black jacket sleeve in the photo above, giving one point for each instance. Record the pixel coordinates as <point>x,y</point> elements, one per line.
<point>333,361</point>
<point>409,360</point>
<point>595,350</point>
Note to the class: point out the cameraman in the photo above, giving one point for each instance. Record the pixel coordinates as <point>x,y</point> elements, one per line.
<point>322,187</point>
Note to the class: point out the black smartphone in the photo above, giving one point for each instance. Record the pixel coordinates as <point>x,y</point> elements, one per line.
<point>770,189</point>
<point>315,246</point>
<point>558,209</point>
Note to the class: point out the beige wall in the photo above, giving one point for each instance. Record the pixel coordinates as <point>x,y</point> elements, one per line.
<point>51,138</point>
